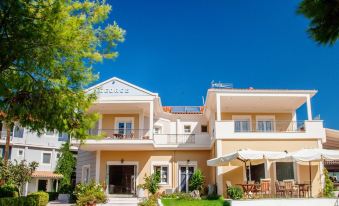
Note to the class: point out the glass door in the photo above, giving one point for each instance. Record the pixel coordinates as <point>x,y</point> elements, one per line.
<point>185,174</point>
<point>125,128</point>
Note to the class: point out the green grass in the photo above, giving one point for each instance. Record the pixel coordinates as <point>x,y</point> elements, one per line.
<point>181,202</point>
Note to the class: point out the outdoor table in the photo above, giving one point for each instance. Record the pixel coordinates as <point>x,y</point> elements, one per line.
<point>247,188</point>
<point>304,188</point>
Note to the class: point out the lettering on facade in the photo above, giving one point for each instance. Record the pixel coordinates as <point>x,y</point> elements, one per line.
<point>112,91</point>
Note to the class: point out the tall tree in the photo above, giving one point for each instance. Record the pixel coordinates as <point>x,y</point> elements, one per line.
<point>47,49</point>
<point>65,165</point>
<point>324,17</point>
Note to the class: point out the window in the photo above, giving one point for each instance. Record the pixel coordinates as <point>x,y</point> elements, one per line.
<point>20,152</point>
<point>284,170</point>
<point>63,137</point>
<point>242,125</point>
<point>265,124</point>
<point>163,171</point>
<point>157,130</point>
<point>203,128</point>
<point>187,128</point>
<point>124,125</point>
<point>58,155</point>
<point>46,158</point>
<point>85,174</point>
<point>18,132</point>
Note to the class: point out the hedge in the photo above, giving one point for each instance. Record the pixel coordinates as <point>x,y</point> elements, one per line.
<point>53,196</point>
<point>42,198</point>
<point>19,201</point>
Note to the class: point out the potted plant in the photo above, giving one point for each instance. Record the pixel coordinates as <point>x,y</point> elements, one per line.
<point>196,183</point>
<point>89,194</point>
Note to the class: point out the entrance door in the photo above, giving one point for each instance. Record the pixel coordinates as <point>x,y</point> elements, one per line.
<point>121,179</point>
<point>42,185</point>
<point>185,174</point>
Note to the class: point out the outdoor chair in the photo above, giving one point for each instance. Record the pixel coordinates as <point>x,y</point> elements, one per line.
<point>290,188</point>
<point>304,190</point>
<point>265,187</point>
<point>279,189</point>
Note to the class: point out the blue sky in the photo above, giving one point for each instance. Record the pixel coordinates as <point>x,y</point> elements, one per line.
<point>177,47</point>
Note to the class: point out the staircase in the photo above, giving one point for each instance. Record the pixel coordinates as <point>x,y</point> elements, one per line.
<point>122,201</point>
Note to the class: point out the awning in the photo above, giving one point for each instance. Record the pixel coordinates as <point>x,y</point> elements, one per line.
<point>246,155</point>
<point>47,174</point>
<point>307,155</point>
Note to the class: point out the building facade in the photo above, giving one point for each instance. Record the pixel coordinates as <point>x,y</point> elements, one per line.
<point>140,136</point>
<point>43,149</point>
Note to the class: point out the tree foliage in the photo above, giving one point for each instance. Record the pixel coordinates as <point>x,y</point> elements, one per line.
<point>65,165</point>
<point>47,50</point>
<point>17,173</point>
<point>324,17</point>
<point>329,187</point>
<point>151,183</point>
<point>197,181</point>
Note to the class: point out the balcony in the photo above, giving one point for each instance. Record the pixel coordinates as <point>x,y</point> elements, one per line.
<point>122,134</point>
<point>230,129</point>
<point>182,140</point>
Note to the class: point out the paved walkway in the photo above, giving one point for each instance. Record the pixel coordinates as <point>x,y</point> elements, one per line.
<point>58,203</point>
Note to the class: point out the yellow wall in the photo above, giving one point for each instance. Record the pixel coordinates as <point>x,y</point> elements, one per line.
<point>235,172</point>
<point>145,158</point>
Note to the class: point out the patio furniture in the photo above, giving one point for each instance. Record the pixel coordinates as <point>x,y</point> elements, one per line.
<point>247,188</point>
<point>279,189</point>
<point>265,187</point>
<point>290,188</point>
<point>303,188</point>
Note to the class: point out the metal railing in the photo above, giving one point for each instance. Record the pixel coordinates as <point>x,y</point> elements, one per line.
<point>121,134</point>
<point>269,126</point>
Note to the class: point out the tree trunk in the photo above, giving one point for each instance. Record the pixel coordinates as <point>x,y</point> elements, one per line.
<point>8,139</point>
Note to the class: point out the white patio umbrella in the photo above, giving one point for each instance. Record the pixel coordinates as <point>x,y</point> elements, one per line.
<point>313,155</point>
<point>245,156</point>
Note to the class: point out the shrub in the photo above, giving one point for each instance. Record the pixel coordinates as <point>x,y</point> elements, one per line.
<point>329,187</point>
<point>227,203</point>
<point>213,196</point>
<point>52,196</point>
<point>196,181</point>
<point>42,198</point>
<point>235,193</point>
<point>66,189</point>
<point>19,201</point>
<point>179,195</point>
<point>8,190</point>
<point>152,200</point>
<point>151,183</point>
<point>90,193</point>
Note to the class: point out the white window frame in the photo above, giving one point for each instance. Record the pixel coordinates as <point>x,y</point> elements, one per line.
<point>265,118</point>
<point>87,167</point>
<point>1,152</point>
<point>169,172</point>
<point>243,118</point>
<point>159,130</point>
<point>23,152</point>
<point>123,119</point>
<point>188,125</point>
<point>42,158</point>
<point>185,164</point>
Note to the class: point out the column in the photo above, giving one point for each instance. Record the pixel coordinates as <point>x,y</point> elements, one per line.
<point>151,114</point>
<point>26,189</point>
<point>218,108</point>
<point>309,108</point>
<point>97,166</point>
<point>141,131</point>
<point>219,169</point>
<point>57,185</point>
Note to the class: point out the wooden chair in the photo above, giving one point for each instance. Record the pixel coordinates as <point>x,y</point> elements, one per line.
<point>265,187</point>
<point>279,189</point>
<point>290,187</point>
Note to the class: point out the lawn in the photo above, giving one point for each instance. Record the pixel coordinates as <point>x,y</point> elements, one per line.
<point>181,202</point>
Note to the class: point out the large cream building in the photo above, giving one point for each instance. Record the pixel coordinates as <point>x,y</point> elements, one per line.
<point>141,136</point>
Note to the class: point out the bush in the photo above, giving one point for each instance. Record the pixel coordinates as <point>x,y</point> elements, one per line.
<point>8,190</point>
<point>151,183</point>
<point>196,181</point>
<point>52,196</point>
<point>90,193</point>
<point>19,201</point>
<point>66,189</point>
<point>179,195</point>
<point>150,201</point>
<point>227,203</point>
<point>235,193</point>
<point>213,196</point>
<point>42,198</point>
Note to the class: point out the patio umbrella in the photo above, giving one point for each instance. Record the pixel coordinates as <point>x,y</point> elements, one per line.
<point>313,155</point>
<point>245,156</point>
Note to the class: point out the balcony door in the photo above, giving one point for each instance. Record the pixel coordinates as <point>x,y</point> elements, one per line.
<point>265,124</point>
<point>242,123</point>
<point>185,174</point>
<point>124,126</point>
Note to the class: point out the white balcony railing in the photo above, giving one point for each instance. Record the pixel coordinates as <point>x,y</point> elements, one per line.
<point>182,139</point>
<point>227,129</point>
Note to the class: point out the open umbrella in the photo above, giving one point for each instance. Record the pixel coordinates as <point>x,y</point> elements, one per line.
<point>313,155</point>
<point>245,156</point>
